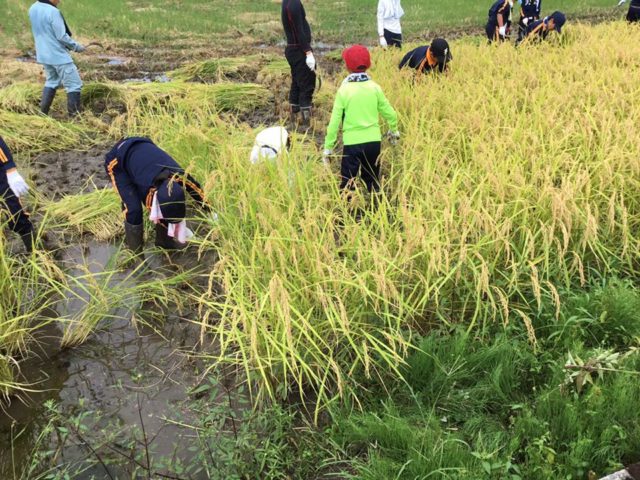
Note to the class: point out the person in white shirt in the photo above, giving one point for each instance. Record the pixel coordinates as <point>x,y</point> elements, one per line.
<point>269,144</point>
<point>389,30</point>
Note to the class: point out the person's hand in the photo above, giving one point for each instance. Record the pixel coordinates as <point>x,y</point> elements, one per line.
<point>16,183</point>
<point>383,41</point>
<point>503,31</point>
<point>326,156</point>
<point>311,61</point>
<point>394,137</point>
<point>80,48</point>
<point>525,20</point>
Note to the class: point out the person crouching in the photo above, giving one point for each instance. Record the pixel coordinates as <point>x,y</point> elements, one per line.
<point>270,144</point>
<point>357,106</point>
<point>429,58</point>
<point>145,175</point>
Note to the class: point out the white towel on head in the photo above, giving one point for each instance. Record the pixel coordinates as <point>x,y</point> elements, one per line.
<point>269,144</point>
<point>177,231</point>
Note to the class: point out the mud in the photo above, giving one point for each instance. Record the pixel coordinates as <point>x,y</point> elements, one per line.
<point>126,371</point>
<point>67,173</point>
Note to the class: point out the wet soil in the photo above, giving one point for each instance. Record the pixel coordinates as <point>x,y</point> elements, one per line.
<point>68,173</point>
<point>126,371</point>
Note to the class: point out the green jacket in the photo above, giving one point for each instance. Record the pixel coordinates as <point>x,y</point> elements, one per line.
<point>358,104</point>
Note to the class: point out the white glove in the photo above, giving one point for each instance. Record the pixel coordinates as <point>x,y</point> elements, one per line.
<point>383,42</point>
<point>80,48</point>
<point>525,20</point>
<point>17,183</point>
<point>394,137</point>
<point>311,61</point>
<point>503,31</point>
<point>622,2</point>
<point>326,156</point>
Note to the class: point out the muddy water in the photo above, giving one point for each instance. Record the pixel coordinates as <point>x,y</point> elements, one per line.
<point>121,367</point>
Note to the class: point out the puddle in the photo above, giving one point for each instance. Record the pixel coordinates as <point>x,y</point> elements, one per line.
<point>148,78</point>
<point>119,366</point>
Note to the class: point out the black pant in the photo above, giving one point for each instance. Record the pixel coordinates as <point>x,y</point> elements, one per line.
<point>303,80</point>
<point>492,32</point>
<point>18,218</point>
<point>633,15</point>
<point>393,39</point>
<point>361,159</point>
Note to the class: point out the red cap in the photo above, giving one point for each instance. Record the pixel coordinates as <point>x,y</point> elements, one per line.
<point>357,58</point>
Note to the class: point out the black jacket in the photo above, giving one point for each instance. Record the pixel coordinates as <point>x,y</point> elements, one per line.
<point>296,27</point>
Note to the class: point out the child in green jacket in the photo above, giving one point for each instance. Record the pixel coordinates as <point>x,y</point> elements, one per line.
<point>357,106</point>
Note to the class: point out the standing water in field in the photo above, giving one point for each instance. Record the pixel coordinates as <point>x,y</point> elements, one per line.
<point>126,372</point>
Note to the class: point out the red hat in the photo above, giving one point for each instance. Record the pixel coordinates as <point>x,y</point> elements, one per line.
<point>357,58</point>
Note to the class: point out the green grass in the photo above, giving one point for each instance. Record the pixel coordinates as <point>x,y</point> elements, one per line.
<point>491,407</point>
<point>243,21</point>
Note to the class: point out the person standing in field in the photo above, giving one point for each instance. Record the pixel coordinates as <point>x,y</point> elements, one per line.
<point>633,15</point>
<point>301,60</point>
<point>357,106</point>
<point>389,29</point>
<point>53,42</point>
<point>499,23</point>
<point>539,30</point>
<point>144,174</point>
<point>429,58</point>
<point>529,13</point>
<point>12,187</point>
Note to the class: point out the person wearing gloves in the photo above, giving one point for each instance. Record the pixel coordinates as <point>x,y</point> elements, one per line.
<point>269,144</point>
<point>538,31</point>
<point>12,187</point>
<point>633,15</point>
<point>389,30</point>
<point>357,106</point>
<point>53,42</point>
<point>429,58</point>
<point>499,22</point>
<point>144,174</point>
<point>301,60</point>
<point>529,13</point>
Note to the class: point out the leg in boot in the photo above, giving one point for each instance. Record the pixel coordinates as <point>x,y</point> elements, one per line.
<point>48,94</point>
<point>73,103</point>
<point>163,240</point>
<point>294,113</point>
<point>305,117</point>
<point>134,237</point>
<point>29,241</point>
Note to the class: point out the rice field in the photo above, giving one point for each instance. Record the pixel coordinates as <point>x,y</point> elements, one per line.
<point>513,189</point>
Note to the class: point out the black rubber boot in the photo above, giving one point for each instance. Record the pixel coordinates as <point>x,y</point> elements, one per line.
<point>163,240</point>
<point>29,241</point>
<point>48,94</point>
<point>305,118</point>
<point>134,237</point>
<point>294,114</point>
<point>73,103</point>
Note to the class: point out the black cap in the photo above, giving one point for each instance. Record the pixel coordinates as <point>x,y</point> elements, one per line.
<point>559,20</point>
<point>440,49</point>
<point>171,200</point>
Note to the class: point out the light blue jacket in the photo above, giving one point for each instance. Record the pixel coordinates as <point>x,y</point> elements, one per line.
<point>52,42</point>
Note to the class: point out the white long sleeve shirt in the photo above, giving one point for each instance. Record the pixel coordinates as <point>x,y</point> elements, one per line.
<point>389,14</point>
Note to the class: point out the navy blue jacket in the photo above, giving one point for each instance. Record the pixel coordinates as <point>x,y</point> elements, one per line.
<point>537,28</point>
<point>136,167</point>
<point>416,58</point>
<point>6,159</point>
<point>531,8</point>
<point>500,7</point>
<point>296,27</point>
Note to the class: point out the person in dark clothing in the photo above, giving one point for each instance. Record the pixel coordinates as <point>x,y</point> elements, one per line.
<point>540,29</point>
<point>144,174</point>
<point>499,22</point>
<point>429,58</point>
<point>633,15</point>
<point>12,187</point>
<point>301,60</point>
<point>529,13</point>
